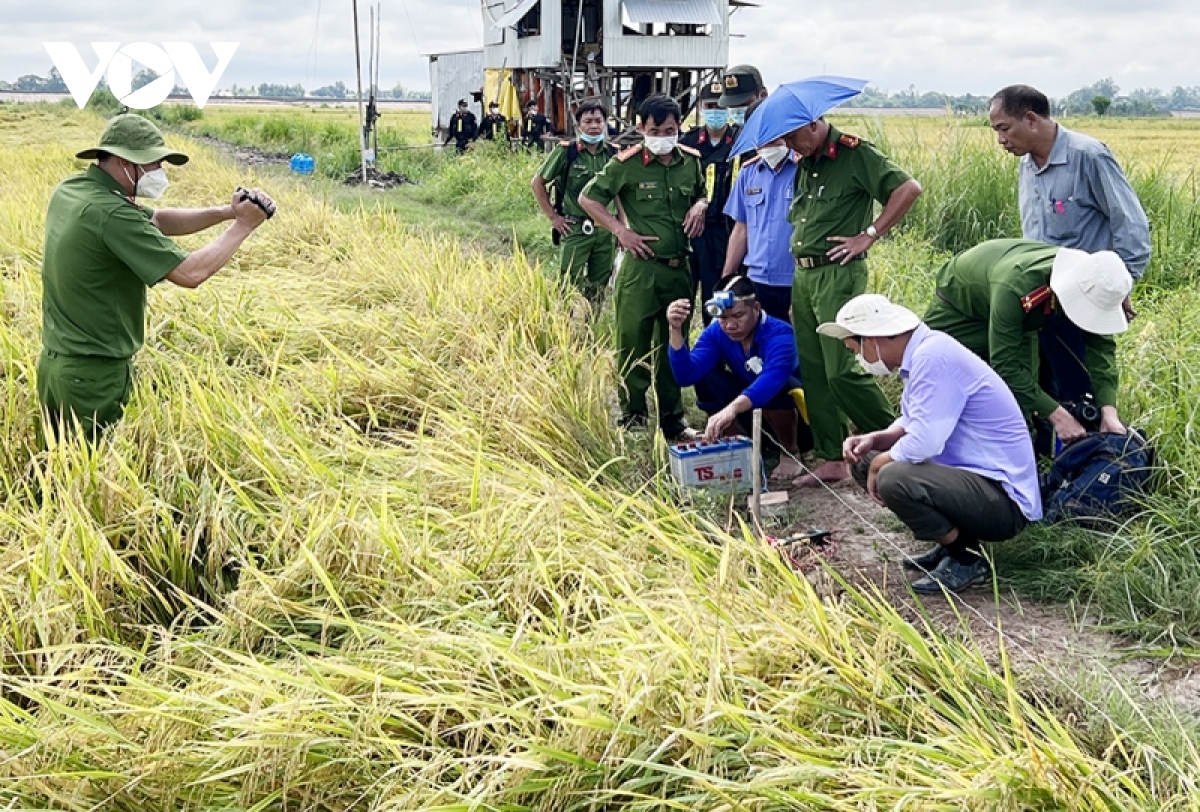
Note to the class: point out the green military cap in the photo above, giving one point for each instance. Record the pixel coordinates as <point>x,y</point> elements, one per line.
<point>135,139</point>
<point>742,83</point>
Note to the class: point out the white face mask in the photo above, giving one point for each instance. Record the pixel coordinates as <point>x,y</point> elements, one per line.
<point>151,184</point>
<point>876,368</point>
<point>661,146</point>
<point>774,156</point>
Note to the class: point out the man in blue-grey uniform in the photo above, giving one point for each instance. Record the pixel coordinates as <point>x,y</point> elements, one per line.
<point>762,234</point>
<point>1071,193</point>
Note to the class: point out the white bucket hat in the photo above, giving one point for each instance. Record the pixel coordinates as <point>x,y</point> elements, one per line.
<point>870,314</point>
<point>1090,288</point>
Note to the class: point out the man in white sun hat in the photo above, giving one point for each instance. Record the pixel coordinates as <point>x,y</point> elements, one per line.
<point>995,297</point>
<point>957,466</point>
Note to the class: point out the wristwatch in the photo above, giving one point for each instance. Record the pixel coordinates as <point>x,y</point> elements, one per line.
<point>872,232</point>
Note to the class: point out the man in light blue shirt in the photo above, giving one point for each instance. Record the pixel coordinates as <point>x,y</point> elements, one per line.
<point>1071,193</point>
<point>957,466</point>
<point>762,234</point>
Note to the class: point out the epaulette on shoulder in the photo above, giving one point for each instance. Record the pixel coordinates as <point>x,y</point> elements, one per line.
<point>686,150</point>
<point>564,143</point>
<point>1035,298</point>
<point>851,141</point>
<point>629,152</point>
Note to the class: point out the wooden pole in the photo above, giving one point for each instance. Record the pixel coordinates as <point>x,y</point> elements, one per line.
<point>756,470</point>
<point>362,147</point>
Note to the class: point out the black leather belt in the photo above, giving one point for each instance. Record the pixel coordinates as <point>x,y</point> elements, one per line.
<point>673,262</point>
<point>808,263</point>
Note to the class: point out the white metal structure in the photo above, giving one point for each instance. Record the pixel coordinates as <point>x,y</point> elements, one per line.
<point>624,34</point>
<point>453,76</point>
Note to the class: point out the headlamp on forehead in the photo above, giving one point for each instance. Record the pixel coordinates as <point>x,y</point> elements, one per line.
<point>722,300</point>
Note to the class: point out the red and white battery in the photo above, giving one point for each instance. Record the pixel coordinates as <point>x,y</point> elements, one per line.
<point>725,462</point>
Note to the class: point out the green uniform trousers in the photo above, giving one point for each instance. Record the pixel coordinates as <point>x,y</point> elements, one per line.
<point>85,391</point>
<point>643,290</point>
<point>834,385</point>
<point>587,260</point>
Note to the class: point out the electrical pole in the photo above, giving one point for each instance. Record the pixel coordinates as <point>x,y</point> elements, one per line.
<point>362,147</point>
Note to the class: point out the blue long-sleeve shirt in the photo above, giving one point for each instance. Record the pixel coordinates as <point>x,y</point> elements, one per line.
<point>956,411</point>
<point>773,343</point>
<point>1081,199</point>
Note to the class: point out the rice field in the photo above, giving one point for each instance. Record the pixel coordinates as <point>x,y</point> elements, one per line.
<point>368,539</point>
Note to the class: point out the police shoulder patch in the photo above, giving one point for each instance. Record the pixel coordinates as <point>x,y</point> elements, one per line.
<point>629,152</point>
<point>686,150</point>
<point>851,141</point>
<point>1036,298</point>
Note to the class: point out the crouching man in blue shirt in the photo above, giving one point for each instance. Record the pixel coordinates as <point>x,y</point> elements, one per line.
<point>957,466</point>
<point>744,360</point>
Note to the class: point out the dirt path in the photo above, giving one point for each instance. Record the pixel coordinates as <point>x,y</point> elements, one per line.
<point>867,551</point>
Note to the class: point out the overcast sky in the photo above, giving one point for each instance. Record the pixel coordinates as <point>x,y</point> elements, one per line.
<point>947,45</point>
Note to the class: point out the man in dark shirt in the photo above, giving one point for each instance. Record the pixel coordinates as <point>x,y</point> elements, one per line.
<point>533,126</point>
<point>713,140</point>
<point>494,125</point>
<point>463,128</point>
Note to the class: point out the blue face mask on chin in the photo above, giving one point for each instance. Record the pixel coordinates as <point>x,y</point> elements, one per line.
<point>715,119</point>
<point>591,139</point>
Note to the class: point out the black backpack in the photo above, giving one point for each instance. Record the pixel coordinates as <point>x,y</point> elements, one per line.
<point>1097,479</point>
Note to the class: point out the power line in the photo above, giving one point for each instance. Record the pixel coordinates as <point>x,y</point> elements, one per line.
<point>310,62</point>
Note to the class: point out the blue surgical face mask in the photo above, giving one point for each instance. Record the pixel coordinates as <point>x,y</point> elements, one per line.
<point>737,115</point>
<point>715,119</point>
<point>591,139</point>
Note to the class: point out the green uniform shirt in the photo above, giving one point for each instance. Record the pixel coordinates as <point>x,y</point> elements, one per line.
<point>656,196</point>
<point>101,254</point>
<point>834,192</point>
<point>585,167</point>
<point>1004,283</point>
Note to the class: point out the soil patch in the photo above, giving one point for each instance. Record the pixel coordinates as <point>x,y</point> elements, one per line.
<point>867,548</point>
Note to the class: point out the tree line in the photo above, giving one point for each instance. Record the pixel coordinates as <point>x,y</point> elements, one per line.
<point>53,83</point>
<point>1084,101</point>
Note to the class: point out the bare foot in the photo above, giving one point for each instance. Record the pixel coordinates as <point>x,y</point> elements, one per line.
<point>785,470</point>
<point>828,472</point>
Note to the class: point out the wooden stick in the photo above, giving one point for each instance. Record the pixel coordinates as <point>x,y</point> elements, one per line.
<point>756,470</point>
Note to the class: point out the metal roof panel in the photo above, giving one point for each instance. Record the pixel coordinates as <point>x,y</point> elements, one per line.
<point>692,12</point>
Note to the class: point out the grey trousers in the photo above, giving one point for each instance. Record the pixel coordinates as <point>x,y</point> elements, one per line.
<point>933,499</point>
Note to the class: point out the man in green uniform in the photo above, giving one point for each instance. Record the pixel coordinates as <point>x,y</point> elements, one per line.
<point>661,190</point>
<point>838,181</point>
<point>587,251</point>
<point>995,297</point>
<point>102,251</point>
